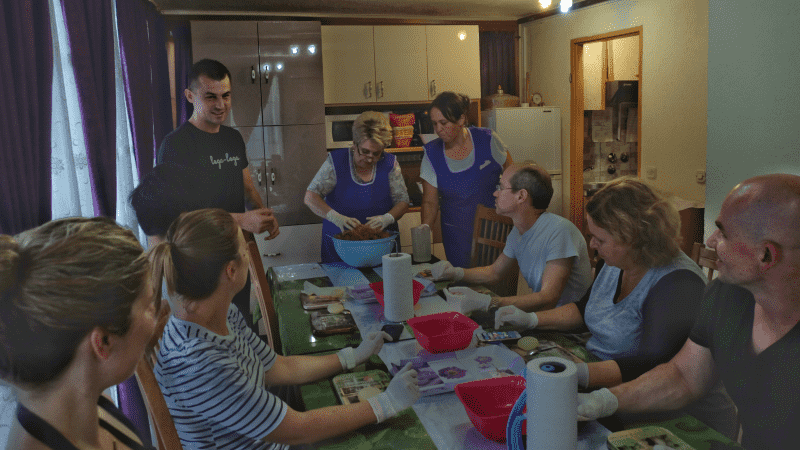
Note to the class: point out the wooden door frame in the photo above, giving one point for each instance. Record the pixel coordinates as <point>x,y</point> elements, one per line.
<point>576,117</point>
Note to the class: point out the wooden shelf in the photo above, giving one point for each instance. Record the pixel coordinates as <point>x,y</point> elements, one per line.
<point>405,149</point>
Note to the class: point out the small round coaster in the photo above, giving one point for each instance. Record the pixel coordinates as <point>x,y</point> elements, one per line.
<point>335,308</point>
<point>367,393</point>
<point>528,343</point>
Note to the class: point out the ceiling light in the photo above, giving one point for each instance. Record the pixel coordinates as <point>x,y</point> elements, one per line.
<point>294,49</point>
<point>462,35</point>
<point>312,49</point>
<point>565,5</point>
<point>544,3</point>
<point>279,66</point>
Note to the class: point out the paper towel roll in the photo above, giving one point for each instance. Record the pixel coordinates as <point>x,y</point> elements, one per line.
<point>398,299</point>
<point>421,243</point>
<point>552,389</point>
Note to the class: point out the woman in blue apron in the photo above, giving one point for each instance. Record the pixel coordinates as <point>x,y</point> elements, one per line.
<point>362,184</point>
<point>459,170</point>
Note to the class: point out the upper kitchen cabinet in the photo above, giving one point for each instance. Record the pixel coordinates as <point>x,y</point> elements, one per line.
<point>453,60</point>
<point>410,63</point>
<point>277,104</point>
<point>623,58</point>
<point>364,64</point>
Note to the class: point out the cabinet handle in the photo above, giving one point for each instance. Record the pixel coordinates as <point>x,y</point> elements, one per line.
<point>272,175</point>
<point>368,90</point>
<point>266,78</point>
<point>433,88</point>
<point>376,91</point>
<point>258,176</point>
<point>252,74</point>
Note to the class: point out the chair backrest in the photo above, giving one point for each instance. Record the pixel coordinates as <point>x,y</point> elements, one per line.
<point>706,258</point>
<point>160,417</point>
<point>490,231</point>
<point>260,288</point>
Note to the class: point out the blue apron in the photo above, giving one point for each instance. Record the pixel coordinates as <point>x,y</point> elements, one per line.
<point>356,200</point>
<point>460,193</point>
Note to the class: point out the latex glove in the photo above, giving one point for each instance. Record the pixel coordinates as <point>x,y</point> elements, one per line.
<point>443,270</point>
<point>472,301</point>
<point>372,344</point>
<point>380,222</point>
<point>402,392</point>
<point>597,404</point>
<point>518,318</point>
<point>343,222</point>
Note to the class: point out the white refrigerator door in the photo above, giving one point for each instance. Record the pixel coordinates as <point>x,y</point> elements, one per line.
<point>531,134</point>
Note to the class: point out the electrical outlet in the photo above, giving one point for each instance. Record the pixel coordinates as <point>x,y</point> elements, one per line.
<point>651,173</point>
<point>700,176</point>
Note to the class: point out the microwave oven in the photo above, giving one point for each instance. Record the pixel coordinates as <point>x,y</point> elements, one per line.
<point>339,130</point>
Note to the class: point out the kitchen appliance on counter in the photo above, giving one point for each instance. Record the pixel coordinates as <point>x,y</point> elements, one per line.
<point>277,104</point>
<point>532,135</point>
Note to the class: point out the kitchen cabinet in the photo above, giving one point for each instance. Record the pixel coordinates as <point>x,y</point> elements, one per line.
<point>398,63</point>
<point>277,104</point>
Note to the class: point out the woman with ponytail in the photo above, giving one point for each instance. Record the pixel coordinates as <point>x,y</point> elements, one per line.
<point>215,372</point>
<point>76,311</point>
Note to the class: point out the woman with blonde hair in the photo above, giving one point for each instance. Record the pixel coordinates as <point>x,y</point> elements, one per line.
<point>215,372</point>
<point>76,312</point>
<point>362,184</point>
<point>644,299</point>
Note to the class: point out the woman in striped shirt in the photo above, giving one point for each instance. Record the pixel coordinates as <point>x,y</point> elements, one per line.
<point>215,372</point>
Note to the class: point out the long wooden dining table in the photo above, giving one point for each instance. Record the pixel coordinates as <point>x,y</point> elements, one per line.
<point>437,421</point>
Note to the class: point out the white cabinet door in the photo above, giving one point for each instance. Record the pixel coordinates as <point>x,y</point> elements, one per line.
<point>453,63</point>
<point>400,63</point>
<point>348,64</point>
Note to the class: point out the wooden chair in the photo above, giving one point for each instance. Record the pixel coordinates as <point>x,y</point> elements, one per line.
<point>260,288</point>
<point>488,240</point>
<point>706,258</point>
<point>166,434</point>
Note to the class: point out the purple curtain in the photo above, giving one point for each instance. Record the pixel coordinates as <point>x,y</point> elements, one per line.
<point>26,59</point>
<point>497,62</point>
<point>146,76</point>
<point>91,41</point>
<point>182,36</point>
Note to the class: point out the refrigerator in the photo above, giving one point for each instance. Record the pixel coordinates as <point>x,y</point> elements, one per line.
<point>532,135</point>
<point>277,104</point>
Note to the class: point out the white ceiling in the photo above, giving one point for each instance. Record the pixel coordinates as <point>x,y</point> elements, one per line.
<point>480,10</point>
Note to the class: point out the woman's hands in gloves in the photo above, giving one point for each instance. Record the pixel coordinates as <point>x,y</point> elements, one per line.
<point>470,300</point>
<point>343,222</point>
<point>380,222</point>
<point>518,318</point>
<point>403,391</point>
<point>370,345</point>
<point>597,404</point>
<point>443,270</point>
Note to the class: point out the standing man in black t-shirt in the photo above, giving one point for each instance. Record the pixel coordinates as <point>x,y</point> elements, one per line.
<point>216,154</point>
<point>748,330</point>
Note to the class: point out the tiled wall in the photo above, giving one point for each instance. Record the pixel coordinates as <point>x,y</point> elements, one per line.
<point>595,154</point>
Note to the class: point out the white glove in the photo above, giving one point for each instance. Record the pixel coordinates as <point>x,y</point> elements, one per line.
<point>443,270</point>
<point>403,391</point>
<point>343,222</point>
<point>596,404</point>
<point>518,318</point>
<point>380,222</point>
<point>372,344</point>
<point>472,301</point>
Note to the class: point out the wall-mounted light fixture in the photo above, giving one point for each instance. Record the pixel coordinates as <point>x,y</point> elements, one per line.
<point>544,3</point>
<point>566,5</point>
<point>462,35</point>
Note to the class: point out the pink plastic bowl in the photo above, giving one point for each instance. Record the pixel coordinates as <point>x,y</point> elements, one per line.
<point>416,290</point>
<point>489,402</point>
<point>443,332</point>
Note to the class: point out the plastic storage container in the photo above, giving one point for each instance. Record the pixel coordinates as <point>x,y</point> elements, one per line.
<point>416,290</point>
<point>489,402</point>
<point>443,332</point>
<point>364,253</point>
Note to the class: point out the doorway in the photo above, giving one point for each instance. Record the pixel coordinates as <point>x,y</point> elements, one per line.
<point>595,60</point>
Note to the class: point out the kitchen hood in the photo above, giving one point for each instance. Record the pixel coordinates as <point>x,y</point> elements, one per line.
<point>621,91</point>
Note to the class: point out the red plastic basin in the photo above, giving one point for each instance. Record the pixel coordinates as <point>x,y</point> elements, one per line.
<point>416,290</point>
<point>443,332</point>
<point>489,402</point>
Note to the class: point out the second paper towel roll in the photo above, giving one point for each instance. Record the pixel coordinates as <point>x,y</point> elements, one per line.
<point>398,299</point>
<point>552,390</point>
